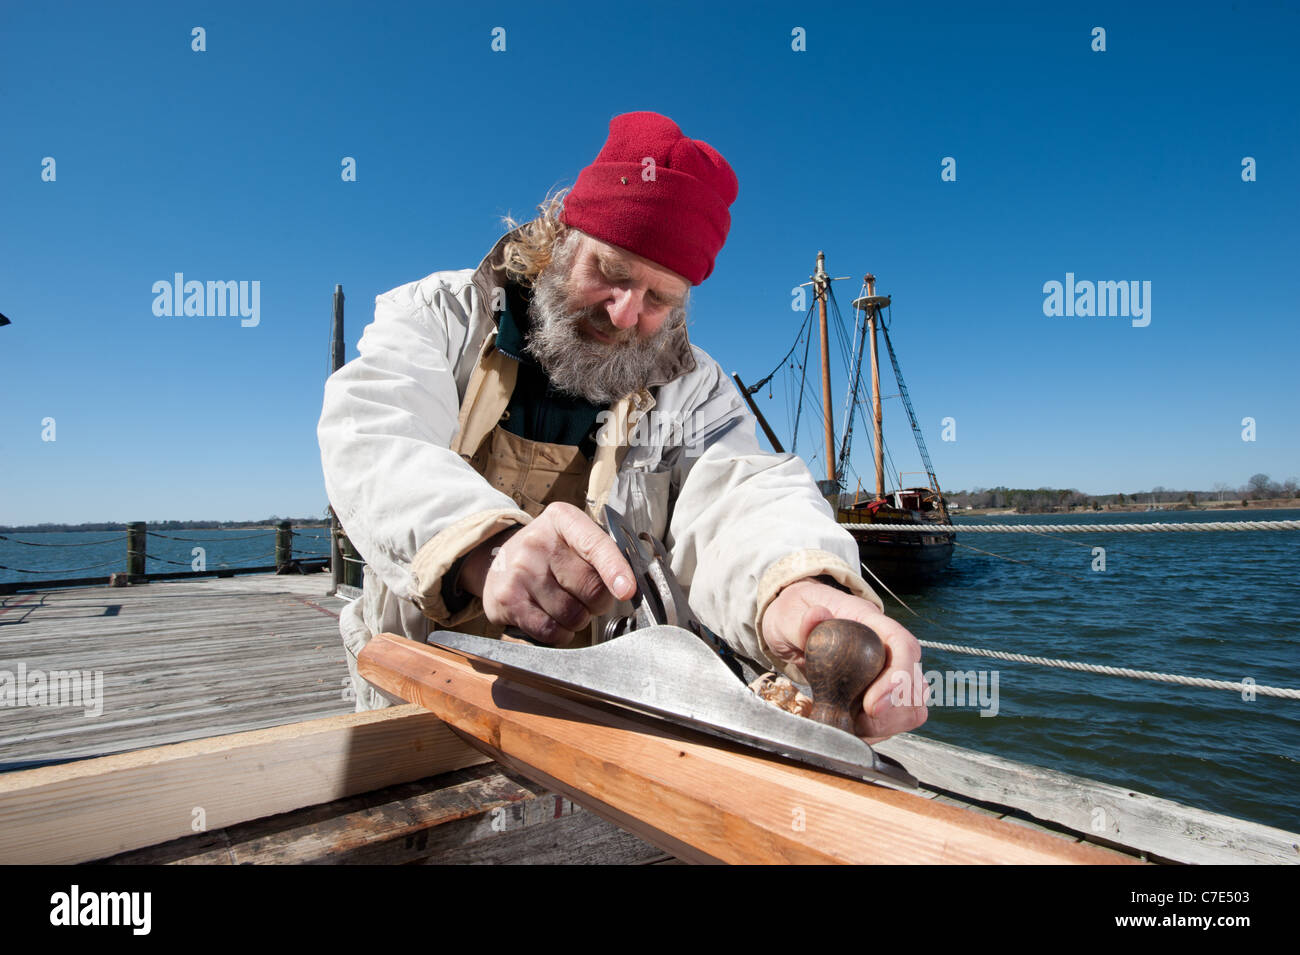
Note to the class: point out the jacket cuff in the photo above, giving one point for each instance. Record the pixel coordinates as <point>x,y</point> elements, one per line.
<point>794,568</point>
<point>433,560</point>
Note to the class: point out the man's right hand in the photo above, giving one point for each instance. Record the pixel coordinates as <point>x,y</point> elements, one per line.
<point>550,577</point>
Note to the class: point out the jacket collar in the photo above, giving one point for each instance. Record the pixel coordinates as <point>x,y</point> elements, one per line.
<point>676,360</point>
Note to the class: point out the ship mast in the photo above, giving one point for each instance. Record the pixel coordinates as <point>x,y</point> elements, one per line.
<point>871,303</point>
<point>875,393</point>
<point>821,284</point>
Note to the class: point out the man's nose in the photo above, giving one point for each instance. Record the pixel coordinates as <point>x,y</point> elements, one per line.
<point>625,309</point>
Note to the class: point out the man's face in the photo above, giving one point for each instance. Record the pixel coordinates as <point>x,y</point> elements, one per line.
<point>636,295</point>
<point>602,316</point>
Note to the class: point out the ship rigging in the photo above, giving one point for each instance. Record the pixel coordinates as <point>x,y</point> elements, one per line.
<point>900,560</point>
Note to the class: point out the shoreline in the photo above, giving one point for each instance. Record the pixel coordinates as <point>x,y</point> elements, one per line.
<point>1182,507</point>
<point>23,529</point>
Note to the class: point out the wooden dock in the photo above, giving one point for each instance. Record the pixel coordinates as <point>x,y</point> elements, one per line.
<point>180,660</point>
<point>231,694</point>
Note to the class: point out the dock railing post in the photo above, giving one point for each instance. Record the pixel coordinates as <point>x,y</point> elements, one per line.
<point>283,545</point>
<point>336,556</point>
<point>337,568</point>
<point>352,567</point>
<point>135,549</point>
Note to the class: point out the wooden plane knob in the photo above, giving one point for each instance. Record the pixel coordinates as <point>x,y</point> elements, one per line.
<point>842,659</point>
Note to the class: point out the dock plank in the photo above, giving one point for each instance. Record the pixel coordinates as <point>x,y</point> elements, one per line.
<point>1159,829</point>
<point>483,815</point>
<point>180,660</point>
<point>92,808</point>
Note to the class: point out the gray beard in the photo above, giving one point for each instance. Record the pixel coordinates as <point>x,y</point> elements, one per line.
<point>598,371</point>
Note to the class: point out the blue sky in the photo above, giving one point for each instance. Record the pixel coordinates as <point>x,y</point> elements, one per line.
<point>225,165</point>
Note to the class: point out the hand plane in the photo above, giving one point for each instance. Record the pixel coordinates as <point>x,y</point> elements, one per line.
<point>663,661</point>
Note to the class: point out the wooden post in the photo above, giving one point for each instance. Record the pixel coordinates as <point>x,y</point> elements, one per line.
<point>337,570</point>
<point>135,549</point>
<point>336,339</point>
<point>336,555</point>
<point>283,544</point>
<point>352,575</point>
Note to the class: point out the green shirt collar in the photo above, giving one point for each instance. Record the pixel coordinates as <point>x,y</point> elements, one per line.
<point>513,323</point>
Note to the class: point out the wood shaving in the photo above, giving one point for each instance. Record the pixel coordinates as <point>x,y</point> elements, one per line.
<point>781,692</point>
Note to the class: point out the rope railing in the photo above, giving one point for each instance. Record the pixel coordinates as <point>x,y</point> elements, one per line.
<point>162,560</point>
<point>211,540</point>
<point>1240,686</point>
<point>1237,686</point>
<point>1078,528</point>
<point>295,553</point>
<point>190,540</point>
<point>19,570</point>
<point>14,540</point>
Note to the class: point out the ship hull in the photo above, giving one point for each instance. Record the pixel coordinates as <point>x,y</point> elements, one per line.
<point>905,561</point>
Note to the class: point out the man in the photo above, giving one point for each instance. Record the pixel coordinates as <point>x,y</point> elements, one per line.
<point>492,413</point>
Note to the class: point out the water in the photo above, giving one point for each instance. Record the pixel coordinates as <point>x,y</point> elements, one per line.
<point>237,547</point>
<point>1222,605</point>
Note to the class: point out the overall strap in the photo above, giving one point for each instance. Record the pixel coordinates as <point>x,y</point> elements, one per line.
<point>486,397</point>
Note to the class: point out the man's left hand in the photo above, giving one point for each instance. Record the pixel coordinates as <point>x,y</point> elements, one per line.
<point>804,604</point>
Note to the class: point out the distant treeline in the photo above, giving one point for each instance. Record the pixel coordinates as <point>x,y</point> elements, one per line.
<point>166,525</point>
<point>1036,500</point>
<point>1026,500</point>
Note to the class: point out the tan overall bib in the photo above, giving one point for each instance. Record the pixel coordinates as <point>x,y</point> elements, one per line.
<point>532,473</point>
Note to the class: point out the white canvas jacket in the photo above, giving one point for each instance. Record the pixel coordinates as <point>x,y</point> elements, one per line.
<point>740,523</point>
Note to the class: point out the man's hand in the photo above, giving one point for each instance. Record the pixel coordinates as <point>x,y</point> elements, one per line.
<point>802,605</point>
<point>550,577</point>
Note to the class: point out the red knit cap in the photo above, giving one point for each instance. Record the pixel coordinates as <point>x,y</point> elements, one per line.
<point>673,213</point>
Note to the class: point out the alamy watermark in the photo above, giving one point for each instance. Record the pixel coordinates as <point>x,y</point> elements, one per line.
<point>947,688</point>
<point>1101,299</point>
<point>210,299</point>
<point>655,429</point>
<point>24,687</point>
<point>130,909</point>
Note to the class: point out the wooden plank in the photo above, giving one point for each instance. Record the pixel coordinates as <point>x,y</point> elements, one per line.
<point>479,815</point>
<point>1161,828</point>
<point>96,808</point>
<point>386,830</point>
<point>576,838</point>
<point>687,794</point>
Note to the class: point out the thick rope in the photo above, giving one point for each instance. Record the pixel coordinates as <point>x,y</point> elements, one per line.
<point>14,540</point>
<point>1077,528</point>
<point>210,540</point>
<point>188,563</point>
<point>1283,692</point>
<point>164,560</point>
<point>19,570</point>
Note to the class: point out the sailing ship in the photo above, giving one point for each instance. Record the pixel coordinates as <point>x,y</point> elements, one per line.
<point>903,560</point>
